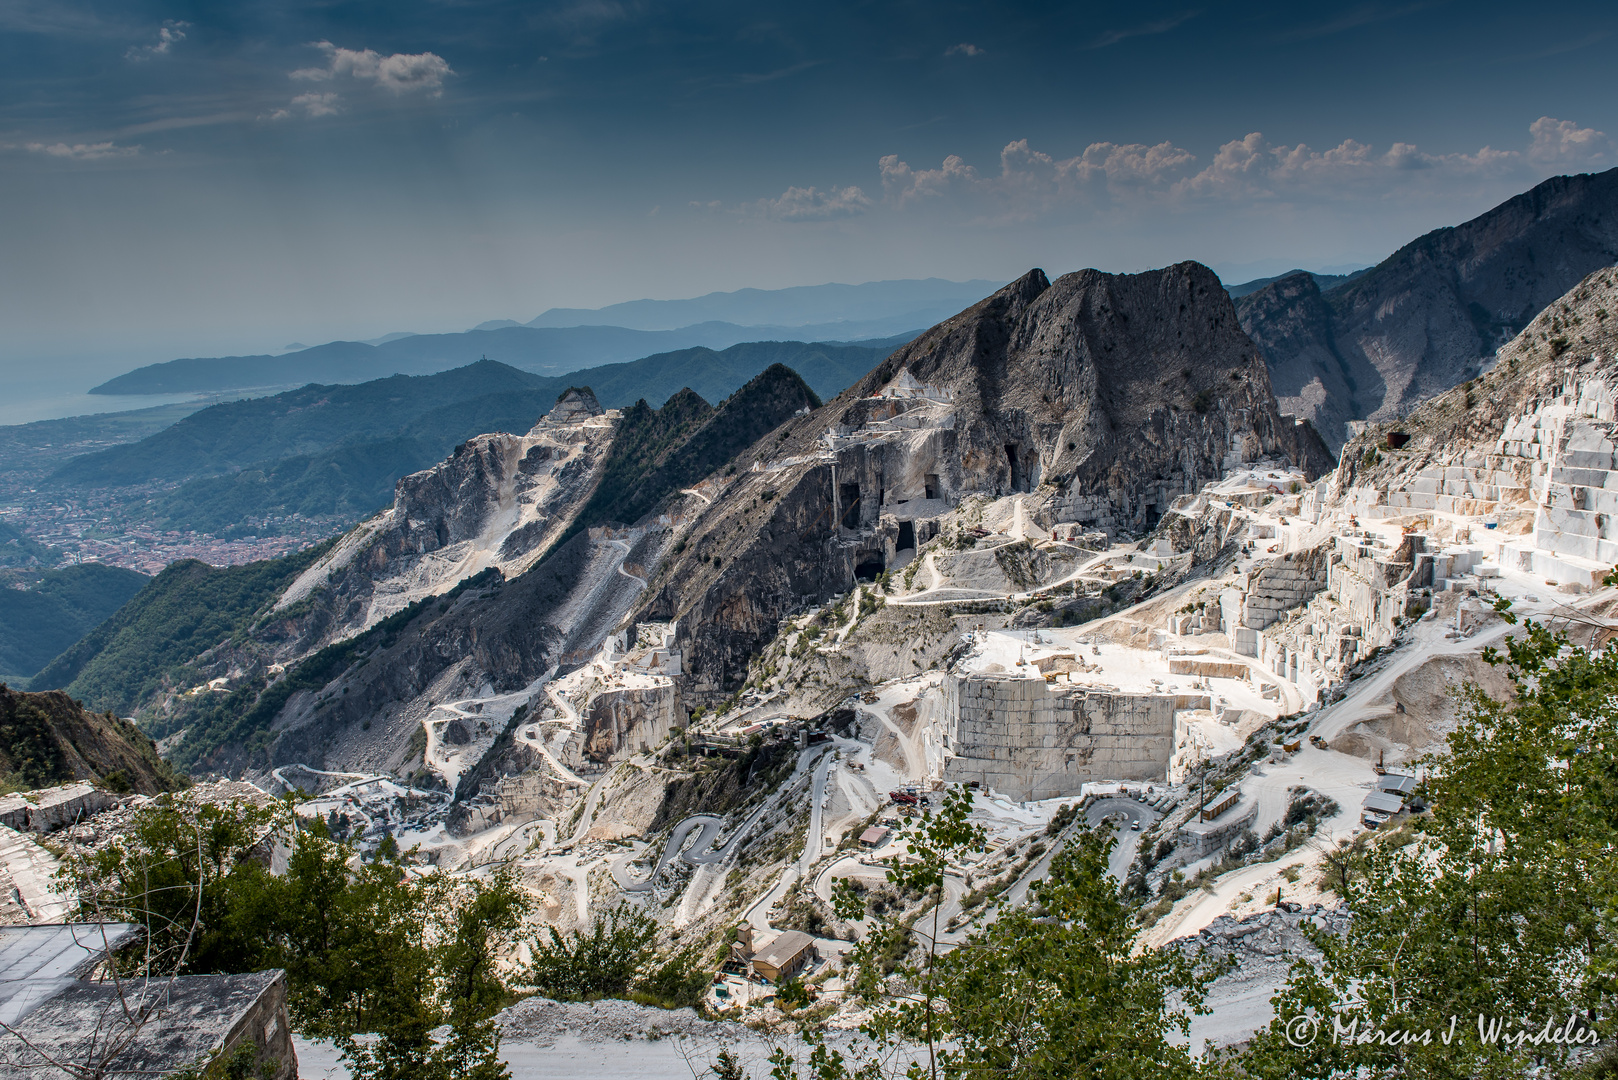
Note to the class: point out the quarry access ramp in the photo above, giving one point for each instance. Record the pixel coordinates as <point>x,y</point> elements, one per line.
<point>699,852</point>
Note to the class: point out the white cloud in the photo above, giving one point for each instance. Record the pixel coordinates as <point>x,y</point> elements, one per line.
<point>798,204</point>
<point>1562,142</point>
<point>1030,181</point>
<point>313,105</point>
<point>398,73</point>
<point>170,35</point>
<point>813,204</point>
<point>1251,169</point>
<point>903,184</point>
<point>965,48</point>
<point>82,151</point>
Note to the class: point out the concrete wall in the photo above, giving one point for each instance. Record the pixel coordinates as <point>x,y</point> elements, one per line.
<point>1029,740</point>
<point>266,1025</point>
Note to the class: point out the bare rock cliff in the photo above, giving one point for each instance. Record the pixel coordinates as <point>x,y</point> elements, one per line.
<point>1103,396</point>
<point>1431,314</point>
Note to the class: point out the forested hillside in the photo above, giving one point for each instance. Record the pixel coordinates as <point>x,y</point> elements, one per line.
<point>334,452</point>
<point>186,610</point>
<point>43,613</point>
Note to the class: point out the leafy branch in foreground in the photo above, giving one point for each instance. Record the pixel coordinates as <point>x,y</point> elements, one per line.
<point>1055,988</point>
<point>1498,904</point>
<point>366,947</point>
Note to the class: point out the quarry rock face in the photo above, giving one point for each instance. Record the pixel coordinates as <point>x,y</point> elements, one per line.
<point>578,403</point>
<point>1030,741</point>
<point>500,638</point>
<point>1433,313</point>
<point>1532,445</point>
<point>499,501</point>
<point>1102,397</point>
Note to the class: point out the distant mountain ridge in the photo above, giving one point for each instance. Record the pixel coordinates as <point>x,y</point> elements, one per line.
<point>335,452</point>
<point>564,339</point>
<point>798,306</point>
<point>1327,282</point>
<point>1432,314</point>
<point>541,351</point>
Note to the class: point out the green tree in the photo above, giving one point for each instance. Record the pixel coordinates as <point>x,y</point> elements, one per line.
<point>354,941</point>
<point>1499,903</point>
<point>169,877</point>
<point>1059,988</point>
<point>604,961</point>
<point>1054,989</point>
<point>727,1067</point>
<point>366,947</point>
<point>486,922</point>
<point>935,840</point>
<point>678,982</point>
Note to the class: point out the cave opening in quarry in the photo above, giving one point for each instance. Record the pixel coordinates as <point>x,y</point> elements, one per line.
<point>850,498</point>
<point>1152,516</point>
<point>907,537</point>
<point>931,488</point>
<point>869,569</point>
<point>1016,466</point>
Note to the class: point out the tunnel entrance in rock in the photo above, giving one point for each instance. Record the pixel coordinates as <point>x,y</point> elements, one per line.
<point>868,570</point>
<point>931,487</point>
<point>1152,516</point>
<point>907,537</point>
<point>1016,466</point>
<point>850,498</point>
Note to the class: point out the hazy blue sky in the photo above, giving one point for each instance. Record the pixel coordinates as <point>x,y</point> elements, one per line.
<point>182,178</point>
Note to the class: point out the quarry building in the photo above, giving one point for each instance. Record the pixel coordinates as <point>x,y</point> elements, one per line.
<point>68,1016</point>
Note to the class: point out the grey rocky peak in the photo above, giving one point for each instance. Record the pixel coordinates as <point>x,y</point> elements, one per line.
<point>1433,313</point>
<point>1101,397</point>
<point>576,403</point>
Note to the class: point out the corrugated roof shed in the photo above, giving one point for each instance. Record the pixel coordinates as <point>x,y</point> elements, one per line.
<point>39,961</point>
<point>65,1015</point>
<point>1398,783</point>
<point>1383,802</point>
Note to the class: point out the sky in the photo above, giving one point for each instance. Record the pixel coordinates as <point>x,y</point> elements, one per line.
<point>184,178</point>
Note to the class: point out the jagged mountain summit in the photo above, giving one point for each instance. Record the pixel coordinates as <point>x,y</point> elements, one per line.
<point>512,558</point>
<point>1103,397</point>
<point>1433,313</point>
